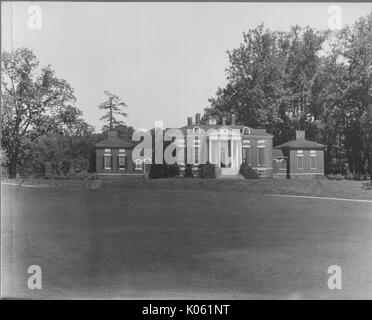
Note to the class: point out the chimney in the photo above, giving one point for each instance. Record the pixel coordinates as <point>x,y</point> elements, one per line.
<point>300,135</point>
<point>197,118</point>
<point>112,134</point>
<point>189,121</point>
<point>233,119</point>
<point>224,121</point>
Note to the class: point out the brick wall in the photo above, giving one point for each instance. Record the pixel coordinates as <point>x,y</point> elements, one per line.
<point>265,169</point>
<point>307,171</point>
<point>114,154</point>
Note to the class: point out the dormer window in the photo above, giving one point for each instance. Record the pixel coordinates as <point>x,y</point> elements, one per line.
<point>246,131</point>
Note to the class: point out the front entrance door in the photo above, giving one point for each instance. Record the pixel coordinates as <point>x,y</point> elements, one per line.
<point>226,154</point>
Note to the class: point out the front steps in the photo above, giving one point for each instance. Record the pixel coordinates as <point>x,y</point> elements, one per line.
<point>228,173</point>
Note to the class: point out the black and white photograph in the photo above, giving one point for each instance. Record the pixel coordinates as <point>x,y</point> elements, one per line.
<point>197,151</point>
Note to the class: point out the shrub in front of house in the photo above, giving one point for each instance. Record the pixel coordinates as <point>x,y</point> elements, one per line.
<point>173,170</point>
<point>188,171</point>
<point>349,176</point>
<point>158,171</point>
<point>248,172</point>
<point>364,177</point>
<point>337,176</point>
<point>367,185</point>
<point>208,171</point>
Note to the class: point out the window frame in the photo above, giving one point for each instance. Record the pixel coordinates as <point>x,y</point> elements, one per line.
<point>300,155</point>
<point>138,164</point>
<point>247,155</point>
<point>124,157</point>
<point>313,157</point>
<point>261,147</point>
<point>109,158</point>
<point>122,154</point>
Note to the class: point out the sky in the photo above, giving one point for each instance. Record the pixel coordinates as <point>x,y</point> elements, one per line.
<point>165,60</point>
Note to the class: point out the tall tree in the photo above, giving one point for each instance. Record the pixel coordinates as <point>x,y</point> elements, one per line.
<point>317,81</point>
<point>33,103</point>
<point>270,79</point>
<point>113,106</point>
<point>345,83</point>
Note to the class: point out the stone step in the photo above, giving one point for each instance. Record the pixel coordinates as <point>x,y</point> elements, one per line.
<point>228,173</point>
<point>235,177</point>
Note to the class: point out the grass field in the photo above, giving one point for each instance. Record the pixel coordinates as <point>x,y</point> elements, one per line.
<point>187,239</point>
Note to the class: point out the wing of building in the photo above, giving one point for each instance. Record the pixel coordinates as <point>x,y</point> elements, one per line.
<point>226,145</point>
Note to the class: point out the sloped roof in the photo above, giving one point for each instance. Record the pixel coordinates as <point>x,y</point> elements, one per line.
<point>115,142</point>
<point>277,153</point>
<point>207,127</point>
<point>301,144</point>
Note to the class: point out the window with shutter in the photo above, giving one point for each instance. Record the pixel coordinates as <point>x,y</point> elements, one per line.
<point>122,162</point>
<point>247,155</point>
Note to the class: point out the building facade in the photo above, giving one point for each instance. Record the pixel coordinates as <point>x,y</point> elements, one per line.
<point>226,146</point>
<point>114,156</point>
<point>305,158</point>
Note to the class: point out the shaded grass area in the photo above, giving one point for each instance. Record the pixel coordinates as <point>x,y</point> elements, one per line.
<point>166,239</point>
<point>318,187</point>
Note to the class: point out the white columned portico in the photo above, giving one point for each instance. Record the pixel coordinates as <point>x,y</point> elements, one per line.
<point>219,146</point>
<point>236,154</point>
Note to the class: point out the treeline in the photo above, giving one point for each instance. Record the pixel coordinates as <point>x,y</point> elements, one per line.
<point>313,80</point>
<point>61,154</point>
<point>307,79</point>
<point>42,130</point>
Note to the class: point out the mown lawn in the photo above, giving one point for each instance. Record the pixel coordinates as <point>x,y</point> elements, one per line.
<point>187,239</point>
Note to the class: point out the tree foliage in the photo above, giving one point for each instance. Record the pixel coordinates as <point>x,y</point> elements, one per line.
<point>112,106</point>
<point>34,102</point>
<point>68,155</point>
<point>305,79</point>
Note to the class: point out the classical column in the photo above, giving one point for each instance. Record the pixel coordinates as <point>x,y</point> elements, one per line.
<point>236,154</point>
<point>219,153</point>
<point>241,151</point>
<point>210,150</point>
